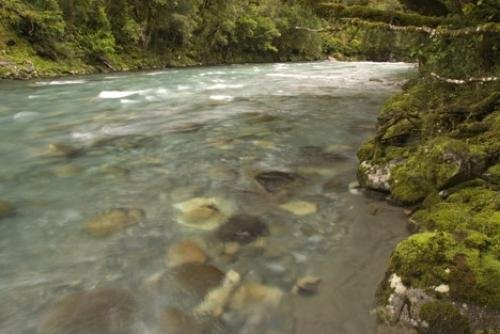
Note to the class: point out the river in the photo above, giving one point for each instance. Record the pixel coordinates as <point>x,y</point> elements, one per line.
<point>276,142</point>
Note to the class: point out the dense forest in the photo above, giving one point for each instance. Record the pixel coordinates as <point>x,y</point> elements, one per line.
<point>143,34</point>
<point>437,145</point>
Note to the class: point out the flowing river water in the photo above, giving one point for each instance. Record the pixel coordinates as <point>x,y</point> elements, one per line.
<point>275,142</point>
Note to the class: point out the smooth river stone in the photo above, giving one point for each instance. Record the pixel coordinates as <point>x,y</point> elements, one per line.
<point>6,209</point>
<point>300,208</point>
<point>100,311</point>
<point>274,181</point>
<point>198,278</point>
<point>242,229</point>
<point>185,251</point>
<point>202,213</point>
<point>252,297</point>
<point>315,155</point>
<point>113,221</point>
<point>62,150</point>
<point>175,321</point>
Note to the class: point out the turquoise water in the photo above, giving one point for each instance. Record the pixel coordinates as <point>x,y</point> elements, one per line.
<point>155,139</point>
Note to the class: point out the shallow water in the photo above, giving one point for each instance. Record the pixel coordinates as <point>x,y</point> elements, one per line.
<point>152,140</point>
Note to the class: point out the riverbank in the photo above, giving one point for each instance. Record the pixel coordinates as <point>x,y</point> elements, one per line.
<point>437,151</point>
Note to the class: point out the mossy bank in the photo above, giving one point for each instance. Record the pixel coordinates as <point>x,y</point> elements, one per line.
<point>437,152</point>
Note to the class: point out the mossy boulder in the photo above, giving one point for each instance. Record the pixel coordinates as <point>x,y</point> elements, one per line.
<point>430,259</point>
<point>441,163</point>
<point>6,209</point>
<point>443,318</point>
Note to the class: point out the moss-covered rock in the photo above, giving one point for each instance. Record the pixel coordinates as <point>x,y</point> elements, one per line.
<point>443,318</point>
<point>428,260</point>
<point>441,163</point>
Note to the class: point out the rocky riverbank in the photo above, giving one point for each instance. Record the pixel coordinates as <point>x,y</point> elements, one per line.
<point>437,151</point>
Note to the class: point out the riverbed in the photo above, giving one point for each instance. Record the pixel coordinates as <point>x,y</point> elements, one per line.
<point>276,142</point>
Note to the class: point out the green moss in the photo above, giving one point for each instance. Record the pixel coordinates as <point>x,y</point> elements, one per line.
<point>366,151</point>
<point>441,163</point>
<point>443,318</point>
<point>493,173</point>
<point>466,263</point>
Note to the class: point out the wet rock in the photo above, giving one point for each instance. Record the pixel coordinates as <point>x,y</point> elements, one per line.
<point>103,311</point>
<point>198,278</point>
<point>274,181</point>
<point>315,155</point>
<point>175,321</point>
<point>300,208</point>
<point>216,300</point>
<point>62,150</point>
<point>242,228</point>
<point>203,213</point>
<point>231,248</point>
<point>6,209</point>
<point>185,251</point>
<point>307,285</point>
<point>254,297</point>
<point>376,176</point>
<point>113,221</point>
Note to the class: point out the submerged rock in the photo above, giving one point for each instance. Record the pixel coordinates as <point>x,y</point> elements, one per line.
<point>113,221</point>
<point>198,278</point>
<point>242,229</point>
<point>62,150</point>
<point>307,285</point>
<point>6,209</point>
<point>185,251</point>
<point>216,300</point>
<point>300,208</point>
<point>254,297</point>
<point>103,311</point>
<point>274,181</point>
<point>175,321</point>
<point>203,213</point>
<point>315,155</point>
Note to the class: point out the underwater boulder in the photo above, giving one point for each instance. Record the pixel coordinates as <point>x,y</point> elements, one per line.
<point>242,228</point>
<point>185,251</point>
<point>103,311</point>
<point>113,221</point>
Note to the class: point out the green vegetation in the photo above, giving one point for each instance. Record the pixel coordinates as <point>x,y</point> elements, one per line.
<point>443,318</point>
<point>63,37</point>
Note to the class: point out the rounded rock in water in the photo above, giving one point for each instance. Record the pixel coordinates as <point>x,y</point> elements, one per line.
<point>175,321</point>
<point>242,229</point>
<point>198,278</point>
<point>113,221</point>
<point>103,311</point>
<point>184,252</point>
<point>202,213</point>
<point>62,150</point>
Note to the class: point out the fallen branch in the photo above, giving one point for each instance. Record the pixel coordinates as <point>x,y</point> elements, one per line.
<point>487,28</point>
<point>463,81</point>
